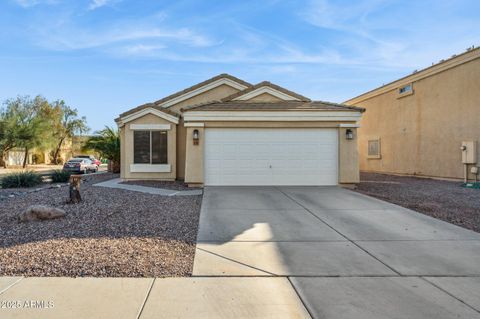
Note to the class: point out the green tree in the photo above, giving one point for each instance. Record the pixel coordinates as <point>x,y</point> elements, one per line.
<point>107,143</point>
<point>35,123</point>
<point>7,135</point>
<point>28,125</point>
<point>67,124</point>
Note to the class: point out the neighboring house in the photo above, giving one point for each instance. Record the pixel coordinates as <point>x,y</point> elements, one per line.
<point>416,125</point>
<point>16,156</point>
<point>225,131</point>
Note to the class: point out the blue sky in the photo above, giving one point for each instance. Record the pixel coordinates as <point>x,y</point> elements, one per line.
<point>107,56</point>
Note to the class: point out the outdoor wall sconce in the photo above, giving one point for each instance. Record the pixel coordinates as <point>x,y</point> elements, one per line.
<point>196,137</point>
<point>349,134</point>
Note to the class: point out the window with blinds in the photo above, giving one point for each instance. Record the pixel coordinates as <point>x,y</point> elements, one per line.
<point>150,147</point>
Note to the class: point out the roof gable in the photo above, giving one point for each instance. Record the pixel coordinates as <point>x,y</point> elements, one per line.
<point>149,108</point>
<point>264,97</point>
<point>221,79</point>
<point>263,88</point>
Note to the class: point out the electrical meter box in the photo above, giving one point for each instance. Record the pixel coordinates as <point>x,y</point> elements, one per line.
<point>469,152</point>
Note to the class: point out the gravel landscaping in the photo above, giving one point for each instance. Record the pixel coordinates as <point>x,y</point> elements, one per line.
<point>111,233</point>
<point>444,200</point>
<point>176,185</point>
<point>6,193</point>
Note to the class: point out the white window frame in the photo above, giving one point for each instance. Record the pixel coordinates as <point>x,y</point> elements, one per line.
<point>150,127</point>
<point>150,167</point>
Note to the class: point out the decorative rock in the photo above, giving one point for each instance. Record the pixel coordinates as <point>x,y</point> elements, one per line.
<point>41,212</point>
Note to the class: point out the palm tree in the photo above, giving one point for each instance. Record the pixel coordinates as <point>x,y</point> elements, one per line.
<point>107,143</point>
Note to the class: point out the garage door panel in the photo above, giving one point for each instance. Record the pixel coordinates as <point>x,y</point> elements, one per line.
<point>212,164</point>
<point>271,156</point>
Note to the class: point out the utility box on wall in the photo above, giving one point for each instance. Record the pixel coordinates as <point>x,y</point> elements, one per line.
<point>469,152</point>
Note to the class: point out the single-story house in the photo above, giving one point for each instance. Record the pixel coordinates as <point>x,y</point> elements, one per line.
<point>426,123</point>
<point>16,156</point>
<point>225,131</point>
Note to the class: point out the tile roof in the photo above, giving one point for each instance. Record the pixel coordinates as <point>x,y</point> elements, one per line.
<point>271,106</point>
<point>227,103</point>
<point>157,106</point>
<point>147,105</point>
<point>268,84</point>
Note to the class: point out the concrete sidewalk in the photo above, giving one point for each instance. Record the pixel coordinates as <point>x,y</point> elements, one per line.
<point>117,183</point>
<point>114,298</point>
<point>240,297</point>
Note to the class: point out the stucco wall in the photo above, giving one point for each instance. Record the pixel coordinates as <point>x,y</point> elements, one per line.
<point>123,155</point>
<point>211,95</point>
<point>422,133</point>
<point>347,149</point>
<point>194,156</point>
<point>348,166</point>
<point>127,150</point>
<point>187,159</point>
<point>264,97</point>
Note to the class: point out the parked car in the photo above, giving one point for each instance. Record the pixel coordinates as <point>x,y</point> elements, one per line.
<point>90,157</point>
<point>80,165</point>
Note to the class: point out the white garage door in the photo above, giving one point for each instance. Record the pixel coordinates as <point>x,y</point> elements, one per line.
<point>271,156</point>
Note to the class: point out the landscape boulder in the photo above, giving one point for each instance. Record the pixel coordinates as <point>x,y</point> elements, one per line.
<point>41,212</point>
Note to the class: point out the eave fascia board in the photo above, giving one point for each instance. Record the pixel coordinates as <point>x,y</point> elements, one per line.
<point>273,116</point>
<point>153,127</point>
<point>349,125</point>
<point>194,124</point>
<point>144,112</point>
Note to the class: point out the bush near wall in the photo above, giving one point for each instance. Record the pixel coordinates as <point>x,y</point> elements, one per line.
<point>21,179</point>
<point>59,176</point>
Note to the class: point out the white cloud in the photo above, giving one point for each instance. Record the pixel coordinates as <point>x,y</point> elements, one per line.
<point>325,14</point>
<point>363,37</point>
<point>31,3</point>
<point>26,3</point>
<point>123,39</point>
<point>142,49</point>
<point>95,4</point>
<point>367,37</point>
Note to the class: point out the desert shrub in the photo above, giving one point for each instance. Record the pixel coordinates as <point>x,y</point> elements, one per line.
<point>21,179</point>
<point>59,176</point>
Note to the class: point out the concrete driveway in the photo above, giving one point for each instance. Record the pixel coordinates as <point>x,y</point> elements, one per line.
<point>286,252</point>
<point>343,254</point>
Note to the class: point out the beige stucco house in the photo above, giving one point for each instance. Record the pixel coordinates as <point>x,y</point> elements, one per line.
<point>225,131</point>
<point>416,125</point>
<point>16,156</point>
